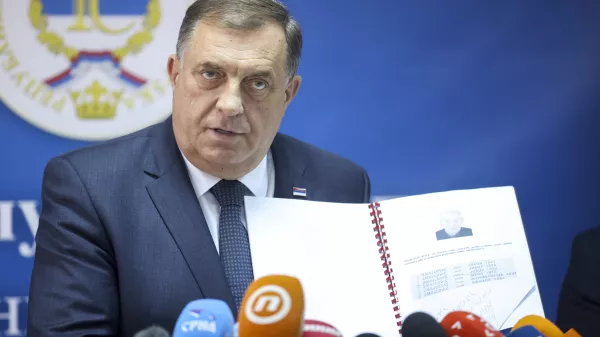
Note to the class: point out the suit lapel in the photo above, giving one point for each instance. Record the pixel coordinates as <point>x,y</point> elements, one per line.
<point>289,168</point>
<point>176,201</point>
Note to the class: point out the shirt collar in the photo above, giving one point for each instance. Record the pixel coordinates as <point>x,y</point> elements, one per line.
<point>257,180</point>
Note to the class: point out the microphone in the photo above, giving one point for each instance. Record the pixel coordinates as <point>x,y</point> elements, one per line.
<point>236,329</point>
<point>572,333</point>
<point>546,327</point>
<point>368,335</point>
<point>153,331</point>
<point>314,328</point>
<point>272,306</point>
<point>466,324</point>
<point>526,331</point>
<point>420,324</point>
<point>205,317</point>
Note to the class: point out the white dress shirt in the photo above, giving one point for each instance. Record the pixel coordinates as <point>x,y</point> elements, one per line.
<point>260,181</point>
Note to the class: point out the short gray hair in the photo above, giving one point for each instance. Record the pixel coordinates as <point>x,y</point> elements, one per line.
<point>244,15</point>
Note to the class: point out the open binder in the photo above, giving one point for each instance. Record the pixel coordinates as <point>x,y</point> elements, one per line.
<point>364,267</point>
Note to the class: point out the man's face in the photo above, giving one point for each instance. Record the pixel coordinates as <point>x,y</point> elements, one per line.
<point>229,97</point>
<point>452,222</point>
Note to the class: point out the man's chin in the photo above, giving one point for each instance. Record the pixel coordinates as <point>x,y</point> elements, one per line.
<point>224,157</point>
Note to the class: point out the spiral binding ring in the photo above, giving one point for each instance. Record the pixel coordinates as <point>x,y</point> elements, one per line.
<point>381,238</point>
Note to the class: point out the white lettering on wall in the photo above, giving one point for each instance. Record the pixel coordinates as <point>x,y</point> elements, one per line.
<point>6,221</point>
<point>12,315</point>
<point>28,209</point>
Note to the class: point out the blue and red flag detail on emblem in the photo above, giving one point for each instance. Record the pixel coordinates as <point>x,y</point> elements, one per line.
<point>132,8</point>
<point>90,56</point>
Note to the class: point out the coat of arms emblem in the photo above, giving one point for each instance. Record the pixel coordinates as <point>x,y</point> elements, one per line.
<point>88,69</point>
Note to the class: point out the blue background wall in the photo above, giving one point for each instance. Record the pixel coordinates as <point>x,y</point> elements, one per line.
<point>427,96</point>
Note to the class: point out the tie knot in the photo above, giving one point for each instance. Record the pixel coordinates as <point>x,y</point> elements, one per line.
<point>230,192</point>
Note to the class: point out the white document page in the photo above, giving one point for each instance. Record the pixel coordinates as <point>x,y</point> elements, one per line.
<point>487,271</point>
<point>331,248</point>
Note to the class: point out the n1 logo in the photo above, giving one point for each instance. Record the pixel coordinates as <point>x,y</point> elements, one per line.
<point>268,304</point>
<point>29,210</point>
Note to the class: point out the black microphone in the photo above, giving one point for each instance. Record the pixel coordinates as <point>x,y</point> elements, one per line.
<point>420,324</point>
<point>153,331</point>
<point>368,334</point>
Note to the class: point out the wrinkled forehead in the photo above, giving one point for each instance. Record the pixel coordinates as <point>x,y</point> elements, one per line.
<point>262,48</point>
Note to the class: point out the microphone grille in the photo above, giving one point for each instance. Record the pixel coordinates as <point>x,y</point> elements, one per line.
<point>422,324</point>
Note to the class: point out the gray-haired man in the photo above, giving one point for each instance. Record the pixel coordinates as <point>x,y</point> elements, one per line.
<point>133,229</point>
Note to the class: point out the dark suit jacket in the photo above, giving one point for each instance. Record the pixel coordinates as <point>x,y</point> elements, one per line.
<point>122,242</point>
<point>464,231</point>
<point>579,301</point>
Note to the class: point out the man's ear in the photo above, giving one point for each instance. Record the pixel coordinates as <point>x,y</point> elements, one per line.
<point>173,68</point>
<point>292,89</point>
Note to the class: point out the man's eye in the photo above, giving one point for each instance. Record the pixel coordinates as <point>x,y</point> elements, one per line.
<point>259,85</point>
<point>209,75</point>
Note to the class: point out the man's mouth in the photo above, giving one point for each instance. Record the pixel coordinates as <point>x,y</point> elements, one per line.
<point>225,132</point>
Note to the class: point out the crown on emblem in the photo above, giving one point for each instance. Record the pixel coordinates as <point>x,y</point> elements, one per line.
<point>96,102</point>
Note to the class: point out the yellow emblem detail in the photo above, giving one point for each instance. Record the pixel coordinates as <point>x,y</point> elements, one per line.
<point>94,9</point>
<point>96,102</point>
<point>56,44</point>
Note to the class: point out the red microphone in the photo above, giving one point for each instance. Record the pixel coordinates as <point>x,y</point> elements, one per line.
<point>466,324</point>
<point>314,328</point>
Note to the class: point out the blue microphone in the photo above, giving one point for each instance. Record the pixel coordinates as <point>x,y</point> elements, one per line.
<point>526,331</point>
<point>205,317</point>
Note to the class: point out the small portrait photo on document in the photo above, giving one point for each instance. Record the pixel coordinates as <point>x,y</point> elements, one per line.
<point>452,222</point>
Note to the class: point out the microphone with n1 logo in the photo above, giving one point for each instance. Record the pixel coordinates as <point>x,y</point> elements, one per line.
<point>314,328</point>
<point>205,317</point>
<point>273,306</point>
<point>466,324</point>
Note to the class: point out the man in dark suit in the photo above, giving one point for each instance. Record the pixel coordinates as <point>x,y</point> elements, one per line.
<point>453,226</point>
<point>579,301</point>
<point>133,229</point>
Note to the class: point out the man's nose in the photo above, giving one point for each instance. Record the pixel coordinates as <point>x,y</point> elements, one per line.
<point>230,100</point>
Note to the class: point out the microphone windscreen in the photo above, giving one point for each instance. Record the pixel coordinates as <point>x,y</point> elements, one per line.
<point>273,306</point>
<point>205,317</point>
<point>314,328</point>
<point>572,333</point>
<point>546,327</point>
<point>153,331</point>
<point>466,324</point>
<point>236,329</point>
<point>368,335</point>
<point>420,324</point>
<point>526,331</point>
